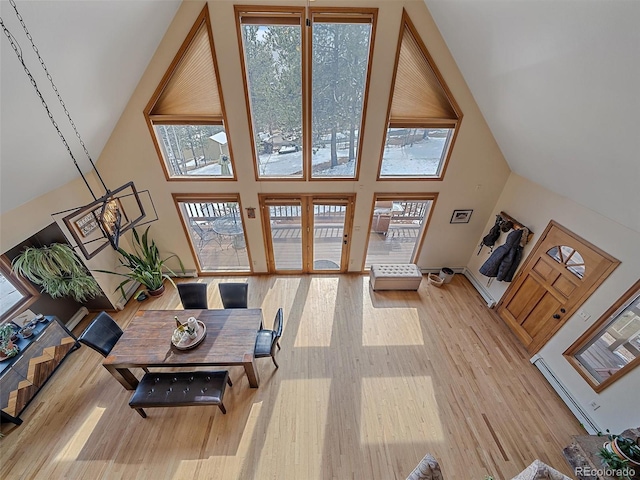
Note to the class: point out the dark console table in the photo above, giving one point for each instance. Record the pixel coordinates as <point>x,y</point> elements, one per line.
<point>22,376</point>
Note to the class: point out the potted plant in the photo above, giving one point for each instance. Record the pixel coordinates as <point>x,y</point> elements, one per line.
<point>620,453</point>
<point>144,265</point>
<point>626,449</point>
<point>58,271</point>
<point>7,348</point>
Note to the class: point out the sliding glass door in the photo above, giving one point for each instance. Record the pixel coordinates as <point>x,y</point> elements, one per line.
<point>398,225</point>
<point>216,233</point>
<point>306,233</point>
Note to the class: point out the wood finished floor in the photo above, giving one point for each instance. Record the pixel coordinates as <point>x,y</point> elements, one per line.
<point>368,383</point>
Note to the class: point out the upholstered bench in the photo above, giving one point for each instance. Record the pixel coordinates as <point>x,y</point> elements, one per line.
<point>395,277</point>
<point>180,389</point>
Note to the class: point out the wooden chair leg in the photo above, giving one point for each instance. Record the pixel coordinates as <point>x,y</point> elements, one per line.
<point>274,362</point>
<point>224,410</point>
<point>229,381</point>
<point>141,412</point>
<point>278,344</point>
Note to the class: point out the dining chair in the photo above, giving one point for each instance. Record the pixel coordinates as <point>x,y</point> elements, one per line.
<point>267,340</point>
<point>102,334</point>
<point>193,295</point>
<point>234,295</point>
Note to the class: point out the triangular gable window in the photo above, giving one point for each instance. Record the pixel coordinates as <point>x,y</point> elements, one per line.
<point>423,116</point>
<point>186,113</point>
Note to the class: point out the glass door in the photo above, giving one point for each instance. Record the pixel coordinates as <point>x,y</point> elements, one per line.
<point>330,240</point>
<point>398,226</point>
<point>283,222</point>
<point>215,229</point>
<point>307,234</point>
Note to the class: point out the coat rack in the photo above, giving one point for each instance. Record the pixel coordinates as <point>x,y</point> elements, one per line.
<point>517,225</point>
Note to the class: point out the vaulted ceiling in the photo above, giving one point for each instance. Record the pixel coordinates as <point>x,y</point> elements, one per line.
<point>556,81</point>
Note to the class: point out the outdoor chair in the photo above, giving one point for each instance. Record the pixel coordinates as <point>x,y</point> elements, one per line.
<point>102,334</point>
<point>268,340</point>
<point>193,295</point>
<point>234,295</point>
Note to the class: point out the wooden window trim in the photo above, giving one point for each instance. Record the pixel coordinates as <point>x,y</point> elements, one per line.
<point>186,119</point>
<point>204,198</point>
<point>271,15</point>
<point>594,331</point>
<point>31,294</point>
<point>395,122</point>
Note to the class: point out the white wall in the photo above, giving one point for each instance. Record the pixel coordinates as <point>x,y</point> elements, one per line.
<point>535,207</point>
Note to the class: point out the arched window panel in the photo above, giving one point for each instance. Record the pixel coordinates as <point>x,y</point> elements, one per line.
<point>423,116</point>
<point>570,258</point>
<point>611,347</point>
<point>186,113</point>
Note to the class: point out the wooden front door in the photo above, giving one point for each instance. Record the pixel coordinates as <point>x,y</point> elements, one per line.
<point>558,276</point>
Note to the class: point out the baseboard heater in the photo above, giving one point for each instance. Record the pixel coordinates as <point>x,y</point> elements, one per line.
<point>491,302</point>
<point>75,319</point>
<point>589,425</point>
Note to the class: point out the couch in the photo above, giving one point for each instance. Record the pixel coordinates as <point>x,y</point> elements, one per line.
<point>429,469</point>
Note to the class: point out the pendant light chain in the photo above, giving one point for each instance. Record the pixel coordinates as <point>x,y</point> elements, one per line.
<point>55,89</point>
<point>18,51</point>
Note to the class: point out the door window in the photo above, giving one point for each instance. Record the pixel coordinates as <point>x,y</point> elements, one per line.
<point>570,258</point>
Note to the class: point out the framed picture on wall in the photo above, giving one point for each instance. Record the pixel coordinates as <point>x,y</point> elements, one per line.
<point>461,216</point>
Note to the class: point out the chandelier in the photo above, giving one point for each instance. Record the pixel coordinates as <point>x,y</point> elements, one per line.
<point>100,223</point>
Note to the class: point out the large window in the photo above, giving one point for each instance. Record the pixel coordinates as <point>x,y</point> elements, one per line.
<point>15,294</point>
<point>423,116</point>
<point>302,132</point>
<point>215,228</point>
<point>611,347</point>
<point>194,150</point>
<point>186,113</point>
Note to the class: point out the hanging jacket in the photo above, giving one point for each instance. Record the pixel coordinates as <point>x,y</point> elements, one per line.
<point>504,261</point>
<point>491,238</point>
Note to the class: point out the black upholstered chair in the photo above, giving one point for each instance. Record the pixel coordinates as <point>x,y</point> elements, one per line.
<point>102,334</point>
<point>193,295</point>
<point>234,295</point>
<point>267,340</point>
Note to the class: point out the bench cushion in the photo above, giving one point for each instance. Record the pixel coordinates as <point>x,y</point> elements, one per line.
<point>164,389</point>
<point>395,277</point>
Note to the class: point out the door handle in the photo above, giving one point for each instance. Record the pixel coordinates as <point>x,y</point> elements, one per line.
<point>556,316</point>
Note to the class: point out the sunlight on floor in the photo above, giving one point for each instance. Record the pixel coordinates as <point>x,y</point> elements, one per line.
<point>297,445</point>
<point>76,443</point>
<point>381,420</point>
<point>278,295</point>
<point>249,428</point>
<point>391,326</point>
<point>316,324</point>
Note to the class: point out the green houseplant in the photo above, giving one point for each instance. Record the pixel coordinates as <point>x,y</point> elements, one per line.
<point>7,347</point>
<point>144,265</point>
<point>58,271</point>
<point>619,454</point>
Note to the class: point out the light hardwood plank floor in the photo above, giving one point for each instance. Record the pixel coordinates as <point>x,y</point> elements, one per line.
<point>368,383</point>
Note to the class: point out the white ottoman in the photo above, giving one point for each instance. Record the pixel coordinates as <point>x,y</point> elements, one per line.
<point>395,277</point>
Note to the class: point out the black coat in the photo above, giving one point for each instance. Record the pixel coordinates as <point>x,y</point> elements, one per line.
<point>505,259</point>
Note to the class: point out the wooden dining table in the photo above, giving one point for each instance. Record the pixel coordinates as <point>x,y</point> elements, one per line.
<point>146,342</point>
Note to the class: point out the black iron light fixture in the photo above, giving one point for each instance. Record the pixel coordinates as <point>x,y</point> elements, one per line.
<point>100,223</point>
